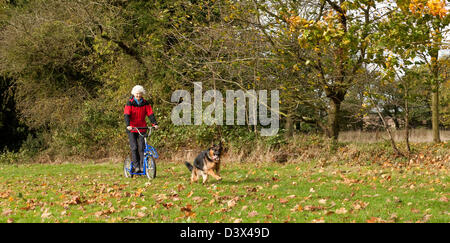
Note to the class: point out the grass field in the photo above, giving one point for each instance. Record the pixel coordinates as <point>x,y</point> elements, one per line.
<point>309,191</point>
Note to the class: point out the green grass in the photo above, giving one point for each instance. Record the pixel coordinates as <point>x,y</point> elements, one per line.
<point>249,192</point>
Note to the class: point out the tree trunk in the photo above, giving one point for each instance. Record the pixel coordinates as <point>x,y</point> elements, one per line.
<point>434,53</point>
<point>333,118</point>
<point>289,127</point>
<point>435,114</point>
<point>407,121</point>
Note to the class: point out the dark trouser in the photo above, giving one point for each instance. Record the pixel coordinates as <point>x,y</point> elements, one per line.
<point>137,149</point>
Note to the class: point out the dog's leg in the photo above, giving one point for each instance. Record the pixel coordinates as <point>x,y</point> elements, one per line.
<point>205,176</point>
<point>217,168</point>
<point>213,174</point>
<point>194,176</point>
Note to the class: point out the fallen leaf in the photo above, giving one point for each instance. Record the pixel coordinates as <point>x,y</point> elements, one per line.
<point>167,205</point>
<point>312,208</point>
<point>4,195</point>
<point>360,205</point>
<point>180,187</point>
<point>415,210</point>
<point>237,221</point>
<point>6,212</point>
<point>139,193</point>
<point>98,214</point>
<point>197,199</point>
<point>374,220</point>
<point>297,208</point>
<point>341,211</point>
<point>283,200</point>
<point>321,220</point>
<point>426,217</point>
<point>74,200</point>
<point>394,217</point>
<point>46,214</point>
<point>187,208</point>
<point>443,199</point>
<point>187,211</point>
<point>252,214</point>
<point>322,201</point>
<point>231,203</point>
<point>141,214</point>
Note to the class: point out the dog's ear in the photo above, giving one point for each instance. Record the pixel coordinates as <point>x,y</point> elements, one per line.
<point>222,146</point>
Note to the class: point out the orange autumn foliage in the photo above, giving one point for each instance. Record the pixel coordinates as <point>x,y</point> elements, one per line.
<point>433,7</point>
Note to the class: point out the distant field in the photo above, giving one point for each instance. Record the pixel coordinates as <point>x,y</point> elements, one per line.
<point>307,191</point>
<point>416,136</point>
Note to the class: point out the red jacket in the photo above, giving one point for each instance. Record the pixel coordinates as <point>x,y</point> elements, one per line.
<point>135,113</point>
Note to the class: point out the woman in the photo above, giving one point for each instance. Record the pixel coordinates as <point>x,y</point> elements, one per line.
<point>136,109</point>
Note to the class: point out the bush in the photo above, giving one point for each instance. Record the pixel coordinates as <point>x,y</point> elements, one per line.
<point>10,157</point>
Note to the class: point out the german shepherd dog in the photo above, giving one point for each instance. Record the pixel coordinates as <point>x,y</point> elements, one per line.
<point>206,163</point>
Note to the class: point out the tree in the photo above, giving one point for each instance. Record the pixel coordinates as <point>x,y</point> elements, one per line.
<point>331,38</point>
<point>428,20</point>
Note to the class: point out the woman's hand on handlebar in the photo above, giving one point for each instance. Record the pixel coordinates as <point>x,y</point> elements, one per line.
<point>129,128</point>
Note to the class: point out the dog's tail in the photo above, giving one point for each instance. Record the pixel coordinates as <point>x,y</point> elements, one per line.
<point>188,165</point>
